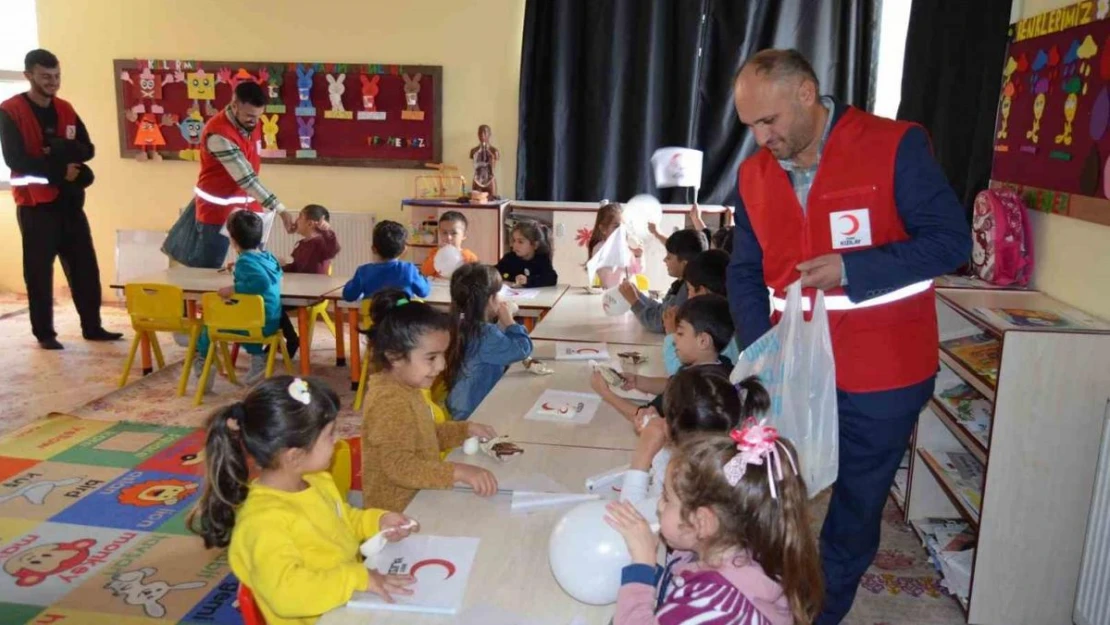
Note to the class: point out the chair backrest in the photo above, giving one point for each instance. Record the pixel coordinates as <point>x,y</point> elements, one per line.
<point>341,467</point>
<point>364,321</point>
<point>239,318</point>
<point>248,608</point>
<point>154,304</point>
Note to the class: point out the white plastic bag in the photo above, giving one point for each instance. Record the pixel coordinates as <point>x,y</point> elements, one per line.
<point>794,360</point>
<point>612,254</point>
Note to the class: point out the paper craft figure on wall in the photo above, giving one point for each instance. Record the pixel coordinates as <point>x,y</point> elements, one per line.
<point>148,136</point>
<point>1007,99</point>
<point>485,158</point>
<point>270,147</point>
<point>336,89</point>
<point>225,76</point>
<point>190,128</point>
<point>304,91</point>
<point>412,96</point>
<point>306,127</point>
<point>1070,104</point>
<point>275,78</point>
<point>370,90</point>
<point>1033,134</point>
<point>201,86</point>
<point>149,87</point>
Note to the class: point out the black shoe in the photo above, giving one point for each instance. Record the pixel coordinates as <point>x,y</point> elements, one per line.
<point>51,344</point>
<point>102,335</point>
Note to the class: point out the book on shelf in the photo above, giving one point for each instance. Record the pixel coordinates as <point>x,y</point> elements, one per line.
<point>971,282</point>
<point>967,405</point>
<point>981,353</point>
<point>1032,319</point>
<point>965,475</point>
<point>950,544</point>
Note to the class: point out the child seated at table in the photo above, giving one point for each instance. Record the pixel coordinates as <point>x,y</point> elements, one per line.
<point>697,399</point>
<point>387,271</point>
<point>293,538</point>
<point>256,272</point>
<point>401,441</point>
<point>452,231</point>
<point>312,254</point>
<point>704,327</point>
<point>705,274</point>
<point>609,217</point>
<point>528,263</point>
<point>682,246</point>
<point>481,350</point>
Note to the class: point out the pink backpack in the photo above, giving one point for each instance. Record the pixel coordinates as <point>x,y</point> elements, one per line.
<point>1002,249</point>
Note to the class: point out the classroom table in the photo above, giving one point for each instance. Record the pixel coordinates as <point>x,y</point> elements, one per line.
<point>511,570</point>
<point>578,316</point>
<point>300,290</point>
<point>440,297</point>
<point>513,396</point>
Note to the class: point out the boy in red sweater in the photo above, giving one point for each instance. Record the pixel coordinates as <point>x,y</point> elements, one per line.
<point>312,254</point>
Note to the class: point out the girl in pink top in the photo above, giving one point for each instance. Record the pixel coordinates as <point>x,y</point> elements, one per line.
<point>734,510</point>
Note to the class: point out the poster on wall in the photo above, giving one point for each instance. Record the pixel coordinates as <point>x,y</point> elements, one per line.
<point>1052,133</point>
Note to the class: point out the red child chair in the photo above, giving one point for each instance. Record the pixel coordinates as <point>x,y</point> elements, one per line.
<point>248,608</point>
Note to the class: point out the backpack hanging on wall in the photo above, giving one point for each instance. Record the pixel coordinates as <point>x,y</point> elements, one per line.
<point>1002,240</point>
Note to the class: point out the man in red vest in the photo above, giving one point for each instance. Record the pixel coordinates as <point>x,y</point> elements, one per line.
<point>854,205</point>
<point>228,181</point>
<point>46,147</point>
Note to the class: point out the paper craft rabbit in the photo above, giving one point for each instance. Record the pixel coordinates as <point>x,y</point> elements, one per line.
<point>269,131</point>
<point>412,91</point>
<point>304,85</point>
<point>274,79</point>
<point>306,127</point>
<point>131,585</point>
<point>336,89</point>
<point>369,91</point>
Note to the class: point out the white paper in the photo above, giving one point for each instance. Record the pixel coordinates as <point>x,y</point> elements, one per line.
<point>581,351</point>
<point>442,566</point>
<point>512,292</point>
<point>677,167</point>
<point>564,407</point>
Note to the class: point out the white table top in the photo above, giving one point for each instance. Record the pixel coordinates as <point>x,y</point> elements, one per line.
<point>505,406</point>
<point>194,280</point>
<point>511,571</point>
<point>441,296</point>
<point>578,316</point>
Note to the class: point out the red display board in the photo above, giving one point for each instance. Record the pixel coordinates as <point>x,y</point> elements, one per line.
<point>331,114</point>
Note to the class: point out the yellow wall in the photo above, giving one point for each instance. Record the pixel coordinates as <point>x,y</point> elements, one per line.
<point>1073,257</point>
<point>477,42</point>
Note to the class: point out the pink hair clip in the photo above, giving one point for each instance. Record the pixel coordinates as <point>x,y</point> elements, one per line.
<point>756,442</point>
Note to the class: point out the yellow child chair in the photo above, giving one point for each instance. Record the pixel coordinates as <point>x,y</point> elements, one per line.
<point>239,319</point>
<point>157,308</point>
<point>341,468</point>
<point>640,280</point>
<point>315,312</point>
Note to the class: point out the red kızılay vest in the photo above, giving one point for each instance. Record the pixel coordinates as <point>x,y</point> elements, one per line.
<point>29,189</point>
<point>885,342</point>
<point>217,193</point>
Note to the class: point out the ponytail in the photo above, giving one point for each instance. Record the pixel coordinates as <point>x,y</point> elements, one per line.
<point>755,400</point>
<point>226,485</point>
<point>471,287</point>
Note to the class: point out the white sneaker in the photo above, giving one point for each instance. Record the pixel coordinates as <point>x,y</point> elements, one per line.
<point>257,370</point>
<point>198,368</point>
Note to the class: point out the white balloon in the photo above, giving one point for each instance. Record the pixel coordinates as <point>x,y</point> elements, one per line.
<point>613,303</point>
<point>587,555</point>
<point>640,211</point>
<point>447,260</point>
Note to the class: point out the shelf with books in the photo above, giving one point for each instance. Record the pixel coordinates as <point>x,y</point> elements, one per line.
<point>1001,311</point>
<point>969,282</point>
<point>964,411</point>
<point>976,359</point>
<point>961,478</point>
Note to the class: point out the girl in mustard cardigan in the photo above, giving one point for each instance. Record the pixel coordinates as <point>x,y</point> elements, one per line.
<point>401,443</point>
<point>294,540</point>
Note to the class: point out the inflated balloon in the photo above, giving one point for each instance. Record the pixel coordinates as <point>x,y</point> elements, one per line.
<point>447,260</point>
<point>640,211</point>
<point>587,555</point>
<point>613,303</point>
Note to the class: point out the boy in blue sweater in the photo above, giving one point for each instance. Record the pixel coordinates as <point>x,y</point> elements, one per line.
<point>387,270</point>
<point>256,272</point>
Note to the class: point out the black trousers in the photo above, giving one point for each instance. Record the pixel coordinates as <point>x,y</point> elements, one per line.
<point>59,230</point>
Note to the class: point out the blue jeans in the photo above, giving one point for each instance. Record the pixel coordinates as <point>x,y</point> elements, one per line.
<point>195,244</point>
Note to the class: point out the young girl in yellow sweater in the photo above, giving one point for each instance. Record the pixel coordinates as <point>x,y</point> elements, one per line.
<point>401,442</point>
<point>294,541</point>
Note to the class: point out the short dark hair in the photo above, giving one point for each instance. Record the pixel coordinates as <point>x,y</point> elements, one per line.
<point>779,64</point>
<point>245,228</point>
<point>687,243</point>
<point>708,270</point>
<point>455,216</point>
<point>389,239</point>
<point>709,314</point>
<point>315,212</point>
<point>703,399</point>
<point>399,322</point>
<point>534,232</point>
<point>250,92</point>
<point>40,57</point>
<point>722,239</point>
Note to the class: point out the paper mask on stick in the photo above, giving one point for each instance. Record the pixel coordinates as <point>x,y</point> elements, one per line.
<point>677,167</point>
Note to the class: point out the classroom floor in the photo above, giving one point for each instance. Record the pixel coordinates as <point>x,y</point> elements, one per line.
<point>108,481</point>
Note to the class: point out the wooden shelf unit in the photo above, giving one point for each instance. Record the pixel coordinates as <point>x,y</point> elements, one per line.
<point>1040,463</point>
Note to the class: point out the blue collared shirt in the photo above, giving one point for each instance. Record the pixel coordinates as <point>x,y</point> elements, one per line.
<point>802,177</point>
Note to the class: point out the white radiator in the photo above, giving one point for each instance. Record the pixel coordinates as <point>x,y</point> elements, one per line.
<point>1092,602</point>
<point>354,230</point>
<point>138,253</point>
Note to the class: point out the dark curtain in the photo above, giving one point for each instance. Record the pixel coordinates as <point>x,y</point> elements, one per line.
<point>950,84</point>
<point>605,83</point>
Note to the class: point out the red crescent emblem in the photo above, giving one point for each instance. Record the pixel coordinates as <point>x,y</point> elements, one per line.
<point>855,225</point>
<point>447,566</point>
